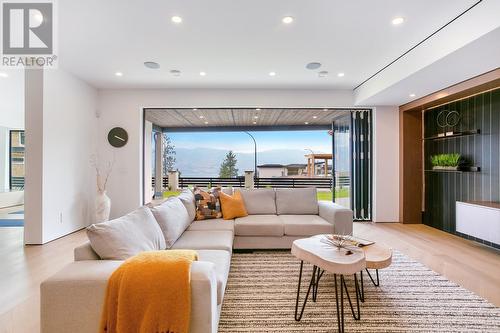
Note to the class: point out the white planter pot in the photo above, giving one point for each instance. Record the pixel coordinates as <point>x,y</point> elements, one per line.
<point>102,207</point>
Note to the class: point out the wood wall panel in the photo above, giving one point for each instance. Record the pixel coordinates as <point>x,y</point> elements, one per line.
<point>411,167</point>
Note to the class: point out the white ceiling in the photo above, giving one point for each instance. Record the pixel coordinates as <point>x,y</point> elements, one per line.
<point>237,43</point>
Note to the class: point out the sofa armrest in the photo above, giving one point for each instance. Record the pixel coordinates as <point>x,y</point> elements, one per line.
<point>340,217</point>
<point>85,252</point>
<point>72,299</point>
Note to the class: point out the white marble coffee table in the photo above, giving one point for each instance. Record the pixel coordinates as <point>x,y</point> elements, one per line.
<point>327,258</point>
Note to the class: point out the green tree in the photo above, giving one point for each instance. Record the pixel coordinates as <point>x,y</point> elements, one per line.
<point>228,166</point>
<point>168,154</point>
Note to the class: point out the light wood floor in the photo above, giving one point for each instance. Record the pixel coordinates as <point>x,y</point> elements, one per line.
<point>468,264</point>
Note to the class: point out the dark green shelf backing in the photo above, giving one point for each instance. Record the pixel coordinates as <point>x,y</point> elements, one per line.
<point>443,189</point>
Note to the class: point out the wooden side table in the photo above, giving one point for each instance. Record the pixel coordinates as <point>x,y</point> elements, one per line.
<point>377,256</point>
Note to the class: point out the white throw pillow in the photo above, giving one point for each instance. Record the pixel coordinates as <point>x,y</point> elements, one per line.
<point>173,219</point>
<point>297,201</point>
<point>126,236</point>
<point>187,199</point>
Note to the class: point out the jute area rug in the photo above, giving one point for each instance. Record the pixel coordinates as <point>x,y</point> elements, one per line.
<point>262,286</point>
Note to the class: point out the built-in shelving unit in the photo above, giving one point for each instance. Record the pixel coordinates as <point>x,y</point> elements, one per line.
<point>451,135</point>
<point>444,188</point>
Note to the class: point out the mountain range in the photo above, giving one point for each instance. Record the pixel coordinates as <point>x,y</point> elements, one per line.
<point>205,162</point>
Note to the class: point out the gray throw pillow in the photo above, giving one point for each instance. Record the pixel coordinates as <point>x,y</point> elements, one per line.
<point>297,201</point>
<point>126,236</point>
<point>187,199</point>
<point>173,219</point>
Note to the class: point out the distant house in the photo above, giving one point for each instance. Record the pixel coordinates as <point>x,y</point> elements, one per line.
<point>272,170</point>
<point>296,169</point>
<point>280,170</point>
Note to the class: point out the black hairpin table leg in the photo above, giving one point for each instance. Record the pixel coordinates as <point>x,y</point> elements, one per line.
<point>312,285</point>
<point>376,284</point>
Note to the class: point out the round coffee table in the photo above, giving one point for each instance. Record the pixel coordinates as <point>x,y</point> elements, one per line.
<point>325,257</point>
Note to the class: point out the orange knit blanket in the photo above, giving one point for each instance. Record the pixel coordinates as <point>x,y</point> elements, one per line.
<point>150,293</point>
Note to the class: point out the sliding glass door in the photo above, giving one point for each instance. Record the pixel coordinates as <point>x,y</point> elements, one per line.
<point>352,150</point>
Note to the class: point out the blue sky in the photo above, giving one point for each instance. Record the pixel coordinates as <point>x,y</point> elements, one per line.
<point>318,141</point>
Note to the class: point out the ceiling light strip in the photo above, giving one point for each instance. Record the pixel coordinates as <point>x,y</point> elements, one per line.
<point>418,44</point>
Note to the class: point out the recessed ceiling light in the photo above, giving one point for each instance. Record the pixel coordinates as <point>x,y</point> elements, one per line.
<point>206,122</point>
<point>201,117</point>
<point>176,19</point>
<point>194,109</point>
<point>340,74</point>
<point>412,95</point>
<point>287,19</point>
<point>323,74</point>
<point>397,20</point>
<point>315,117</point>
<point>175,72</point>
<point>255,123</point>
<point>2,74</point>
<point>151,64</point>
<point>255,117</point>
<point>203,73</point>
<point>119,74</point>
<point>258,109</point>
<point>272,73</point>
<point>306,122</point>
<point>313,65</point>
<point>325,109</point>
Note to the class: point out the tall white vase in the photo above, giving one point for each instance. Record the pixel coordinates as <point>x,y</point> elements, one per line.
<point>102,207</point>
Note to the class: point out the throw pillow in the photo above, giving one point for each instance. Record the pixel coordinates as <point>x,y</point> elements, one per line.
<point>207,204</point>
<point>187,198</point>
<point>124,237</point>
<point>232,206</point>
<point>172,218</point>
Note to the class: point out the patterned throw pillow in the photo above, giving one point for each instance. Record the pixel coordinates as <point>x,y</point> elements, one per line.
<point>207,204</point>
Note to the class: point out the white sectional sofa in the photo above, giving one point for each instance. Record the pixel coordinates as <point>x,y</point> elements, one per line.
<point>72,299</point>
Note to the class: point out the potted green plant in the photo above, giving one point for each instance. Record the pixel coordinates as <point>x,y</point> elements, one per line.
<point>446,161</point>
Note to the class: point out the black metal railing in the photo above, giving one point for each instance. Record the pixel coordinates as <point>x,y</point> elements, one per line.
<point>278,182</point>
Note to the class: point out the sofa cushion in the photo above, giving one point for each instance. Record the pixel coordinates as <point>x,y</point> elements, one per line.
<point>305,225</point>
<point>214,224</point>
<point>259,201</point>
<point>207,240</point>
<point>221,260</point>
<point>173,219</point>
<point>126,236</point>
<point>259,225</point>
<point>296,201</point>
<point>187,199</point>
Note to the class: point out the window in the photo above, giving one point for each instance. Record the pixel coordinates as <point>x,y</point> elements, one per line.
<point>16,158</point>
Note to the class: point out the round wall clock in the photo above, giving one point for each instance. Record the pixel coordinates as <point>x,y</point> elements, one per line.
<point>117,137</point>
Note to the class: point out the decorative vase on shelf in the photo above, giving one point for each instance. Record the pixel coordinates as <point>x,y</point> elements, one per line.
<point>102,207</point>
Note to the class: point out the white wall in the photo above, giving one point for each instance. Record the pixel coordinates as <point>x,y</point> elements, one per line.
<point>124,108</point>
<point>386,164</point>
<point>62,174</point>
<point>12,99</point>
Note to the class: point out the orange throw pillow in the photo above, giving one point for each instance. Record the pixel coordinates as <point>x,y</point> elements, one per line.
<point>232,205</point>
